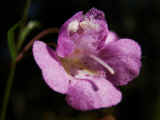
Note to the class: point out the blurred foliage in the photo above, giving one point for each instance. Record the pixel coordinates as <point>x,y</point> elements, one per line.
<point>11,41</point>
<point>25,31</point>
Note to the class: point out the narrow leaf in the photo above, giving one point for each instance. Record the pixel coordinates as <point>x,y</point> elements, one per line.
<point>31,25</point>
<point>11,41</point>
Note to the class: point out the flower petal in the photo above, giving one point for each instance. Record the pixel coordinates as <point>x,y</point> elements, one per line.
<point>65,44</point>
<point>111,37</point>
<point>87,32</point>
<point>96,14</point>
<point>92,94</point>
<point>99,35</point>
<point>53,72</point>
<point>124,57</point>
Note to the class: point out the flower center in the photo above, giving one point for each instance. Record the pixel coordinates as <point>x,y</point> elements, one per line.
<point>77,66</point>
<point>87,36</point>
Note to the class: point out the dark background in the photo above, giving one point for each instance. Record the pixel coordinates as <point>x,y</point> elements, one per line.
<point>32,99</point>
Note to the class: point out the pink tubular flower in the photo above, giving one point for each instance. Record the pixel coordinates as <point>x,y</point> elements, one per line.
<point>89,62</point>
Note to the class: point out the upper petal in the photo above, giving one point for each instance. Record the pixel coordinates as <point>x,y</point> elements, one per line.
<point>97,14</point>
<point>124,57</point>
<point>95,93</point>
<point>53,72</point>
<point>83,31</point>
<point>65,44</point>
<point>111,37</point>
<point>100,31</point>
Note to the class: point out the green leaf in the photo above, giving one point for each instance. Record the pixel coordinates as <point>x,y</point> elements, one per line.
<point>25,13</point>
<point>11,41</point>
<point>31,25</point>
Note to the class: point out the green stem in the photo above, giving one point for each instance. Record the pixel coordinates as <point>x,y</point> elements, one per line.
<point>7,91</point>
<point>25,13</point>
<point>13,67</point>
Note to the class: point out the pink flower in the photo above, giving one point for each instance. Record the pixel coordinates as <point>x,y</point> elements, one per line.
<point>89,62</point>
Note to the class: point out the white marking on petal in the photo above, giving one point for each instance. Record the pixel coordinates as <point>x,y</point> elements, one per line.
<point>73,26</point>
<point>83,74</point>
<point>86,24</point>
<point>111,37</point>
<point>100,61</point>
